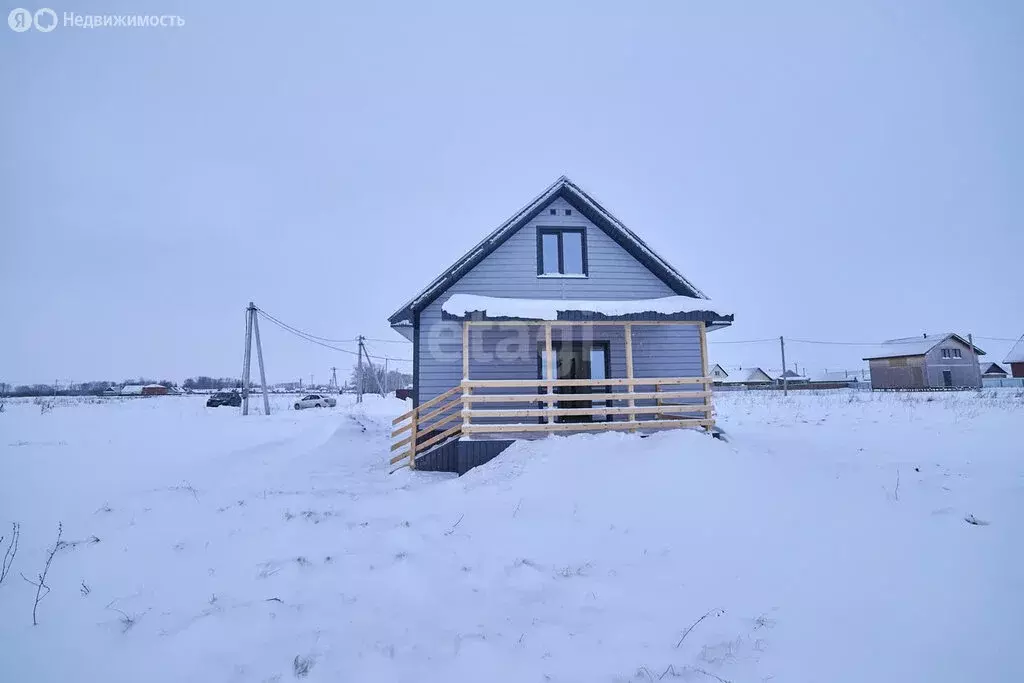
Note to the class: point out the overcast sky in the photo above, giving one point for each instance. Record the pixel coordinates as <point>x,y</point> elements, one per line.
<point>845,171</point>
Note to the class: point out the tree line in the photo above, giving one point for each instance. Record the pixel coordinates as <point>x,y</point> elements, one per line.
<point>373,380</point>
<point>99,387</point>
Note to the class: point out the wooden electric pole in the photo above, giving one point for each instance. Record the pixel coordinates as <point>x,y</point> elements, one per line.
<point>259,357</point>
<point>247,358</point>
<point>252,324</point>
<point>785,381</point>
<point>359,372</point>
<point>974,358</point>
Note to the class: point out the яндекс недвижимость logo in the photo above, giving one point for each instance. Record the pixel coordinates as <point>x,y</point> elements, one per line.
<point>21,20</point>
<point>45,20</point>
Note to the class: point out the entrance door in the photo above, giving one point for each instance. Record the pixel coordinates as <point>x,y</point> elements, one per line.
<point>578,360</point>
<point>947,378</point>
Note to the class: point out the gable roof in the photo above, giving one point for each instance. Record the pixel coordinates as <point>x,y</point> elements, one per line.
<point>747,375</point>
<point>988,368</point>
<point>563,188</point>
<point>1016,354</point>
<point>916,346</point>
<point>790,374</point>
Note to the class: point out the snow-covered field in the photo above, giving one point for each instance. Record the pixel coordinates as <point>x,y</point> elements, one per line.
<point>826,542</point>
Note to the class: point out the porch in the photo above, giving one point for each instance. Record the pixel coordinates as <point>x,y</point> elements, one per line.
<point>528,378</point>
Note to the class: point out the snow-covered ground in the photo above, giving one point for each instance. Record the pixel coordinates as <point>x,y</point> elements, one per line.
<point>826,542</point>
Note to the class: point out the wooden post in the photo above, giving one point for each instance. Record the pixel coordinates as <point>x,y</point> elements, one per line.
<point>465,374</point>
<point>549,362</point>
<point>629,367</point>
<point>704,372</point>
<point>412,442</point>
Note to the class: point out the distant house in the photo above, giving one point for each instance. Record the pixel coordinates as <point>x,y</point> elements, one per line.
<point>838,377</point>
<point>144,390</point>
<point>718,372</point>
<point>931,361</point>
<point>992,371</point>
<point>749,377</point>
<point>1016,359</point>
<point>791,377</point>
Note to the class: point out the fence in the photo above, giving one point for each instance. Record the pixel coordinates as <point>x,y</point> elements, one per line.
<point>664,405</point>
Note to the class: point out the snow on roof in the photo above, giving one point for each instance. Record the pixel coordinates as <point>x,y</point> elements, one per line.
<point>743,375</point>
<point>588,205</point>
<point>990,368</point>
<point>1016,354</point>
<point>838,376</point>
<point>915,346</point>
<point>792,375</point>
<point>548,309</point>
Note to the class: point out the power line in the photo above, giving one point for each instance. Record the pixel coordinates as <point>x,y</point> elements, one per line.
<point>742,341</point>
<point>304,333</point>
<point>841,343</point>
<point>388,341</point>
<point>304,337</point>
<point>320,341</point>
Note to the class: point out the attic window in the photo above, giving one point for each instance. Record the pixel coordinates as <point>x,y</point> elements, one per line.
<point>561,251</point>
<point>568,212</point>
<point>553,212</point>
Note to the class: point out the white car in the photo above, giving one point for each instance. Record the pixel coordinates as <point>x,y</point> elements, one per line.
<point>315,401</point>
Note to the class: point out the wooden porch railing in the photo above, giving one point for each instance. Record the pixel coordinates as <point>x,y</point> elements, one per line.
<point>428,424</point>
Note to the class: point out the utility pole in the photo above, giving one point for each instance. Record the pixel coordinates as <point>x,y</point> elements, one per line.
<point>259,357</point>
<point>785,381</point>
<point>334,378</point>
<point>385,375</point>
<point>974,357</point>
<point>248,358</point>
<point>359,372</point>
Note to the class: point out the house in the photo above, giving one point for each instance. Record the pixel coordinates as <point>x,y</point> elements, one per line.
<point>717,373</point>
<point>749,377</point>
<point>1015,359</point>
<point>560,299</point>
<point>992,371</point>
<point>931,361</point>
<point>790,377</point>
<point>847,377</point>
<point>143,390</point>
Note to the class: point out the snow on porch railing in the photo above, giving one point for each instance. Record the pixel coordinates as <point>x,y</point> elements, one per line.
<point>664,403</point>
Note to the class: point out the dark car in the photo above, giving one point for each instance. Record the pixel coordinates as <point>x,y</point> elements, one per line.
<point>224,398</point>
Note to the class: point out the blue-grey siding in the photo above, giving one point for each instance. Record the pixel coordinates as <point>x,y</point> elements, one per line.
<point>511,271</point>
